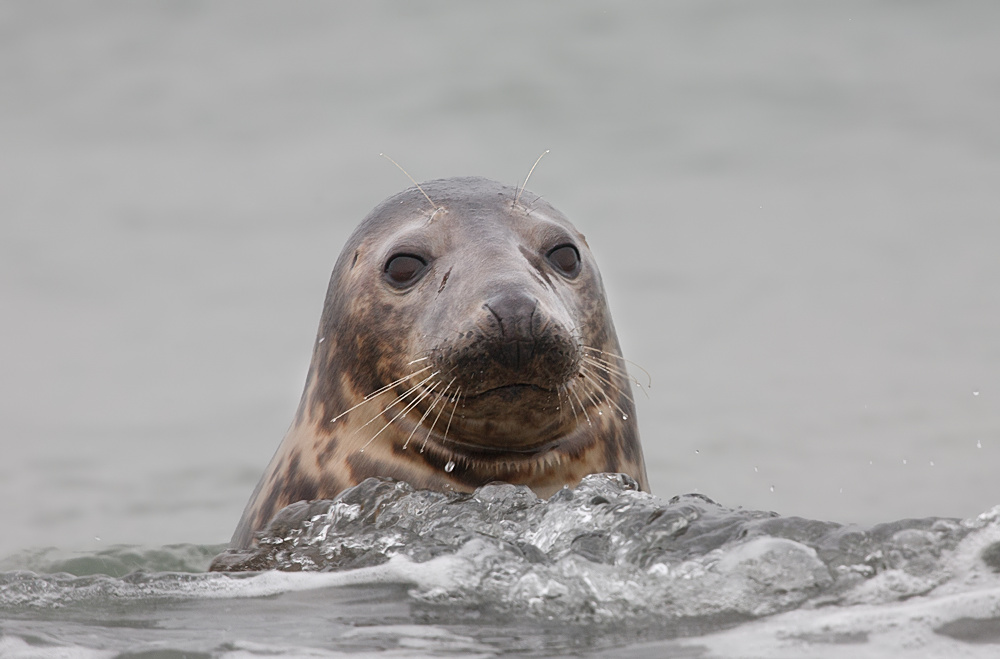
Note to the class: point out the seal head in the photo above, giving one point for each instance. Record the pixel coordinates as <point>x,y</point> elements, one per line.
<point>463,341</point>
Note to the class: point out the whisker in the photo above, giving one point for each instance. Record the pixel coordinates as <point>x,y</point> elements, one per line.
<point>433,205</point>
<point>649,378</point>
<point>611,367</point>
<point>419,423</point>
<point>597,403</point>
<point>401,397</point>
<point>587,375</point>
<point>458,397</point>
<point>597,369</point>
<point>521,189</point>
<point>582,408</point>
<point>602,365</point>
<point>409,406</point>
<point>379,392</point>
<point>431,429</point>
<point>572,405</point>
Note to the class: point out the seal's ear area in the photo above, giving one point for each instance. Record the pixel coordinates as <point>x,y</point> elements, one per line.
<point>404,270</point>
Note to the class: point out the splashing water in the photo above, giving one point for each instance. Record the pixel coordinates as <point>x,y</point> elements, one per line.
<point>494,570</point>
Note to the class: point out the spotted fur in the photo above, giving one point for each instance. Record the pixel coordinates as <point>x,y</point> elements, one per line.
<point>494,365</point>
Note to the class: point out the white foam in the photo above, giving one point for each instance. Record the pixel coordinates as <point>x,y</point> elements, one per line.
<point>12,647</point>
<point>903,629</point>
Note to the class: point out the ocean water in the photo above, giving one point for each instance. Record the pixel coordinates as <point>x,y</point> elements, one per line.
<point>795,209</point>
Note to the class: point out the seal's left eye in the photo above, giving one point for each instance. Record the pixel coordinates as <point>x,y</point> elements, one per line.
<point>566,260</point>
<point>404,269</point>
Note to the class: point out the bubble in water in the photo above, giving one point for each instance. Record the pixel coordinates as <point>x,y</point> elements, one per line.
<point>450,467</point>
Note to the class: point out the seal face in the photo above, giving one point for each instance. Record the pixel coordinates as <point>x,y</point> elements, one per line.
<point>460,343</point>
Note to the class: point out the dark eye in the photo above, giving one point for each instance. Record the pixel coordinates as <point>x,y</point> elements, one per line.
<point>404,269</point>
<point>566,260</point>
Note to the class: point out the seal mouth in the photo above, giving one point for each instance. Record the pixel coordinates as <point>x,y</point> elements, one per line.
<point>510,391</point>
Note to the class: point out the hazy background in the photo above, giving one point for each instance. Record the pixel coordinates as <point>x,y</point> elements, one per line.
<point>796,207</point>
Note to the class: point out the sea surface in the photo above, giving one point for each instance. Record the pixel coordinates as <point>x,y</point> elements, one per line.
<point>796,210</point>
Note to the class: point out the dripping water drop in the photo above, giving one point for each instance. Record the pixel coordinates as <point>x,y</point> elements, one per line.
<point>450,467</point>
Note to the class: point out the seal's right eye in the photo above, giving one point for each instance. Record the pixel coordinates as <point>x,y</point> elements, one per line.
<point>401,270</point>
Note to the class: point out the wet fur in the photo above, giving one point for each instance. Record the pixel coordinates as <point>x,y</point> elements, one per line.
<point>571,413</point>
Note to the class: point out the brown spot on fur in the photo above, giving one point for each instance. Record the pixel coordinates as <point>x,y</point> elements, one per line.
<point>324,454</point>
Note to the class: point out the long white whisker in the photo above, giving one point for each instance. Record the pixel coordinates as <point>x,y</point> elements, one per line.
<point>419,423</point>
<point>607,398</point>
<point>649,378</point>
<point>602,365</point>
<point>431,429</point>
<point>597,369</point>
<point>572,405</point>
<point>582,407</point>
<point>379,392</point>
<point>401,397</point>
<point>458,397</point>
<point>403,411</point>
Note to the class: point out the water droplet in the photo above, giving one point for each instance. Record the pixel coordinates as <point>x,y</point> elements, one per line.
<point>755,470</point>
<point>321,339</point>
<point>450,467</point>
<point>624,417</point>
<point>772,488</point>
<point>600,413</point>
<point>696,451</point>
<point>932,463</point>
<point>871,462</point>
<point>361,450</point>
<point>979,443</point>
<point>841,490</point>
<point>975,393</point>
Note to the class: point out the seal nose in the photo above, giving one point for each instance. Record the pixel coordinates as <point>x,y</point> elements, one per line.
<point>514,313</point>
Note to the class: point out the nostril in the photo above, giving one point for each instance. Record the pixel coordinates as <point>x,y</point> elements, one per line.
<point>515,343</point>
<point>514,313</point>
